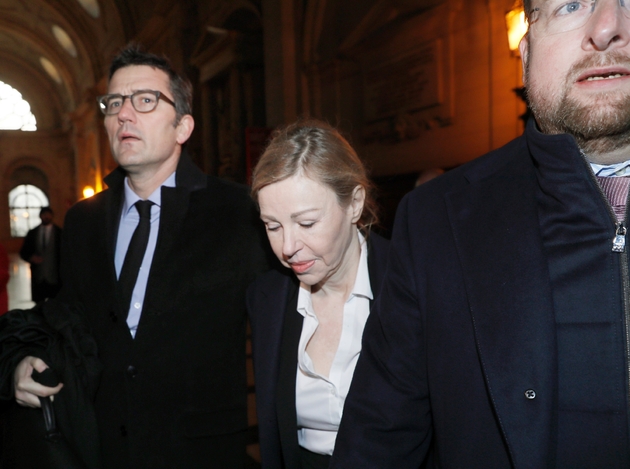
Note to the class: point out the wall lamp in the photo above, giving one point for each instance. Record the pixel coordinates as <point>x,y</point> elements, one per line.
<point>516,27</point>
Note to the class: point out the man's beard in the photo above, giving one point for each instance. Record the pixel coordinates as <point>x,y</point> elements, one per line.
<point>600,125</point>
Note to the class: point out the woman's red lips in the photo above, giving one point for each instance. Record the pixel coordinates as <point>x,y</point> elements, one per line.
<point>301,267</point>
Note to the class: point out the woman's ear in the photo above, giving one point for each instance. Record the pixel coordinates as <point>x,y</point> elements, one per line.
<point>357,203</point>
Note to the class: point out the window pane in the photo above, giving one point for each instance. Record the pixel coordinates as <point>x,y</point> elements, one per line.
<point>25,202</point>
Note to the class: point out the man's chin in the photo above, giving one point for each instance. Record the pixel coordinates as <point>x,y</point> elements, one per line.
<point>587,118</point>
<point>125,157</point>
<point>602,122</point>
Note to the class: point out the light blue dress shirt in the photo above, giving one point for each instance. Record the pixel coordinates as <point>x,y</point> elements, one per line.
<point>612,170</point>
<point>128,222</point>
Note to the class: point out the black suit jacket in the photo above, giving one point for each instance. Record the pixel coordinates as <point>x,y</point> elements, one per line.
<point>276,329</point>
<point>459,361</point>
<point>175,396</point>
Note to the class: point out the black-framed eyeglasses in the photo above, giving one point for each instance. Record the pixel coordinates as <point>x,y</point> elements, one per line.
<point>141,100</point>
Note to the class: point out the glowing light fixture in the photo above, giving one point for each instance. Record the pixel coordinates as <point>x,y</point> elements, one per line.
<point>88,191</point>
<point>64,40</point>
<point>516,27</point>
<point>91,6</point>
<point>50,69</point>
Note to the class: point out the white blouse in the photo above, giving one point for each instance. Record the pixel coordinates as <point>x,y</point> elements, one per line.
<point>319,400</point>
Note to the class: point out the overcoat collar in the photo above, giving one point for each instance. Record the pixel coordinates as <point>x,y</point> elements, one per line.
<point>188,175</point>
<point>497,235</point>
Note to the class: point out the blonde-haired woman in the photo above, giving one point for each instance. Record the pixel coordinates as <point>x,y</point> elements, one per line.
<point>307,321</point>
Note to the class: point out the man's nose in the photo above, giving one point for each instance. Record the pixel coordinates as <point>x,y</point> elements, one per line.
<point>609,26</point>
<point>127,111</point>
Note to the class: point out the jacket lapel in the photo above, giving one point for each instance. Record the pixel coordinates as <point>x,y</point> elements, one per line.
<point>287,371</point>
<point>113,207</point>
<point>112,220</point>
<point>276,297</point>
<point>507,283</point>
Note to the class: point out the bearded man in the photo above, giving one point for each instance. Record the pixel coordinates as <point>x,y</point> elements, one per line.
<point>502,334</point>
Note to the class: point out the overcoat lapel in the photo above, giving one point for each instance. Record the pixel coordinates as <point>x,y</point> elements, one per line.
<point>112,219</point>
<point>173,210</point>
<point>508,288</point>
<point>175,203</point>
<point>114,206</point>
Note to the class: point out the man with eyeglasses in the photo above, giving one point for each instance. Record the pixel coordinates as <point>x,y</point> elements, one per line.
<point>502,335</point>
<point>170,331</point>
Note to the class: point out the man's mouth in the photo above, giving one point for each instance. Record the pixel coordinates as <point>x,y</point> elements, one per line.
<point>128,137</point>
<point>607,76</point>
<point>602,73</point>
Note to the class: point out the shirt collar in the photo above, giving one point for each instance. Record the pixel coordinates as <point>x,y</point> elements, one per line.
<point>612,170</point>
<point>361,286</point>
<point>156,197</point>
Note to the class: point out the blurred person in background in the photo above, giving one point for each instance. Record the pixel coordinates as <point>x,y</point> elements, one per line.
<point>42,250</point>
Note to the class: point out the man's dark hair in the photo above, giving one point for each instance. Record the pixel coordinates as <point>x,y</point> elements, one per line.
<point>45,210</point>
<point>179,86</point>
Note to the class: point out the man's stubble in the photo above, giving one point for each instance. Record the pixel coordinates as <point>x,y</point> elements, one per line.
<point>600,123</point>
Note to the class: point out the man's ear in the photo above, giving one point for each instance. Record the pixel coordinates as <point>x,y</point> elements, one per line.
<point>523,47</point>
<point>184,128</point>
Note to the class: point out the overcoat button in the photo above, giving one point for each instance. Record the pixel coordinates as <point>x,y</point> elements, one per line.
<point>123,430</point>
<point>113,316</point>
<point>132,371</point>
<point>530,394</point>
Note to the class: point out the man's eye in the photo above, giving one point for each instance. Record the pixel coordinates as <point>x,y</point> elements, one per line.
<point>307,224</point>
<point>272,227</point>
<point>113,104</point>
<point>568,8</point>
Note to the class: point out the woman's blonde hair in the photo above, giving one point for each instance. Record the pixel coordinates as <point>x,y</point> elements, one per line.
<point>317,150</point>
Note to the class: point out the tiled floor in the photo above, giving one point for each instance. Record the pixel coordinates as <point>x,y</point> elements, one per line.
<point>19,289</point>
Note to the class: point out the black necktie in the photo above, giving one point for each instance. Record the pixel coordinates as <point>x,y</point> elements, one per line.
<point>135,253</point>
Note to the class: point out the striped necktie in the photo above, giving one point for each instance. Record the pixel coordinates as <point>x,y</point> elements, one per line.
<point>616,190</point>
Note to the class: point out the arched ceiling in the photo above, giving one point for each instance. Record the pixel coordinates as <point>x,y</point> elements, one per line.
<point>26,37</point>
